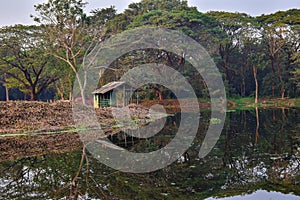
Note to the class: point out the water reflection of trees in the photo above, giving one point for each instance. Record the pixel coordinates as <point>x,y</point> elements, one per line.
<point>37,178</point>
<point>241,162</point>
<point>272,160</point>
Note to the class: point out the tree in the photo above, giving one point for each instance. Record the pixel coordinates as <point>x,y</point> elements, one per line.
<point>3,82</point>
<point>24,60</point>
<point>64,25</point>
<point>64,84</point>
<point>253,55</point>
<point>69,33</point>
<point>99,18</point>
<point>233,25</point>
<point>136,11</point>
<point>175,15</point>
<point>296,72</point>
<point>296,76</point>
<point>275,43</point>
<point>281,36</point>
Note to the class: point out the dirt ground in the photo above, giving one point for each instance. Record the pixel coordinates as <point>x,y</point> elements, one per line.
<point>37,128</point>
<point>23,126</point>
<point>173,106</point>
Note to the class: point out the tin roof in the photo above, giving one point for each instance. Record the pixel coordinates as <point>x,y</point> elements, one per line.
<point>108,87</point>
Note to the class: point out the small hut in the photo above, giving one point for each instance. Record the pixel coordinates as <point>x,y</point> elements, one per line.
<point>115,94</point>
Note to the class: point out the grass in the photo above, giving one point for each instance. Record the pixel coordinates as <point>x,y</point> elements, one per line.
<point>248,103</point>
<point>28,134</point>
<point>243,103</point>
<point>297,102</point>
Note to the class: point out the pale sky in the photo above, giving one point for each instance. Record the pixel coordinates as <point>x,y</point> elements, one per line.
<point>18,11</point>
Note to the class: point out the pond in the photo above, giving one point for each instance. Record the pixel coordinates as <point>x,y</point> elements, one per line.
<point>251,160</point>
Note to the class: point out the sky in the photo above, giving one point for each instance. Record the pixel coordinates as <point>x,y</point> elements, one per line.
<point>18,11</point>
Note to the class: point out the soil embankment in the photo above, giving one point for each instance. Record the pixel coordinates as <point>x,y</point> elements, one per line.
<point>38,128</point>
<point>20,117</point>
<point>172,105</point>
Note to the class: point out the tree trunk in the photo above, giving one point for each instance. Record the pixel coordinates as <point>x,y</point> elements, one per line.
<point>273,72</point>
<point>6,93</point>
<point>60,93</point>
<point>282,90</point>
<point>243,92</point>
<point>70,94</point>
<point>32,94</point>
<point>159,95</point>
<point>70,88</point>
<point>256,83</point>
<point>81,87</point>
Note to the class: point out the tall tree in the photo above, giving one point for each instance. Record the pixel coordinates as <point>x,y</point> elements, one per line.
<point>171,14</point>
<point>275,43</point>
<point>65,29</point>
<point>253,53</point>
<point>137,10</point>
<point>233,25</point>
<point>281,35</point>
<point>24,59</point>
<point>71,34</point>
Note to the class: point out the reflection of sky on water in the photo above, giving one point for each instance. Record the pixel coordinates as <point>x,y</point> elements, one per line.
<point>261,195</point>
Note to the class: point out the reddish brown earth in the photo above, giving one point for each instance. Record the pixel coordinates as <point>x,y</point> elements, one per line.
<point>173,106</point>
<point>38,128</point>
<point>29,121</point>
<point>17,117</point>
<point>12,148</point>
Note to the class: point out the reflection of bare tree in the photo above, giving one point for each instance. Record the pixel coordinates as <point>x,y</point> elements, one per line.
<point>83,176</point>
<point>257,125</point>
<point>244,118</point>
<point>74,192</point>
<point>282,124</point>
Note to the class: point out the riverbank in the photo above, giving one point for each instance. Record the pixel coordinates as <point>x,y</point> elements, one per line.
<point>30,129</point>
<point>37,128</point>
<point>34,118</point>
<point>172,106</point>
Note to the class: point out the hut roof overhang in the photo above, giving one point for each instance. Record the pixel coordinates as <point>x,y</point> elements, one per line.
<point>108,87</point>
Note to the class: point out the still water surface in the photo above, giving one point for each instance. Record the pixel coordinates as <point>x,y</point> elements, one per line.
<point>256,157</point>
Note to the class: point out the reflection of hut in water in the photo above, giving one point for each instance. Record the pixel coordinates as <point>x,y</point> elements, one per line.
<point>113,94</point>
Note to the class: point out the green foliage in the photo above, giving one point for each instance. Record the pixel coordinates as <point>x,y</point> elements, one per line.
<point>71,35</point>
<point>290,17</point>
<point>296,76</point>
<point>24,60</point>
<point>241,45</point>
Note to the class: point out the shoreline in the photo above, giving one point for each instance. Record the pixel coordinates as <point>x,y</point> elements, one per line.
<point>30,129</point>
<point>21,118</point>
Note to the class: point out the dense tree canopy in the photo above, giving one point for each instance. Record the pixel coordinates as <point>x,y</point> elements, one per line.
<point>25,61</point>
<point>257,56</point>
